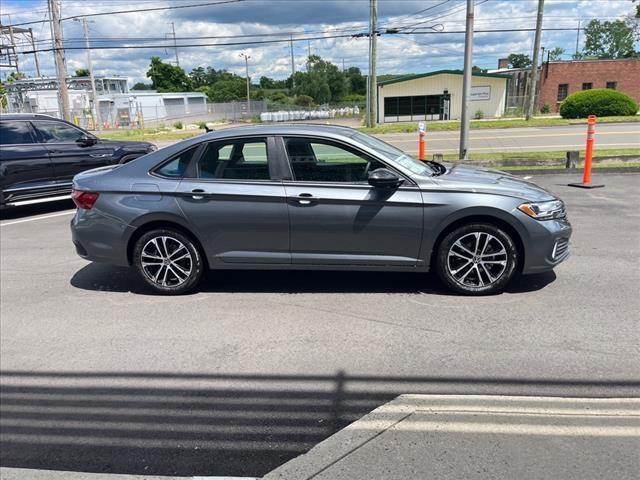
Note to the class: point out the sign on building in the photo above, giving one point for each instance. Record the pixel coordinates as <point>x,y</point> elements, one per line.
<point>481,93</point>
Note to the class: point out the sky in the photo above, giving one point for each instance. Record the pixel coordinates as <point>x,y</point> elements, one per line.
<point>278,19</point>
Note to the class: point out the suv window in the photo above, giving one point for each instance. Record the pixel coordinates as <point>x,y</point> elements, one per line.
<point>57,132</point>
<point>15,133</point>
<point>177,166</point>
<point>235,159</point>
<point>319,161</point>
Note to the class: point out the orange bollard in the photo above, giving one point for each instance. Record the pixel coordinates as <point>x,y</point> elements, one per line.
<point>588,156</point>
<point>422,144</point>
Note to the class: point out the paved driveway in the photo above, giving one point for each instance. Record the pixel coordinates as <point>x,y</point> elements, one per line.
<point>257,367</point>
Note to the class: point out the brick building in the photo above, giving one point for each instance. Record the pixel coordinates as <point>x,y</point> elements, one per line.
<point>560,79</point>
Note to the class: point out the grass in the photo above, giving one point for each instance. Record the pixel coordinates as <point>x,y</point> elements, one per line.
<point>411,127</point>
<point>596,166</point>
<point>150,134</point>
<point>546,155</point>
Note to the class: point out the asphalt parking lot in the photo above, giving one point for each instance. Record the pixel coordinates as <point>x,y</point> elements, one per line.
<point>257,367</point>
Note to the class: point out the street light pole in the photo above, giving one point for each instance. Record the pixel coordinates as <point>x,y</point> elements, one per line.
<point>246,64</point>
<point>466,84</point>
<point>95,109</point>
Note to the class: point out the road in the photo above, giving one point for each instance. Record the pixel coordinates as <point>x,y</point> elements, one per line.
<point>570,137</point>
<point>257,367</point>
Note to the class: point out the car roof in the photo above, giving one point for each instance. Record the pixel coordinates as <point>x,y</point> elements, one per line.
<point>26,116</point>
<point>283,129</point>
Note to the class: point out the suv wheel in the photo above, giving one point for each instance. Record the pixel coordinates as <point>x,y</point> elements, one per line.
<point>477,259</point>
<point>168,261</point>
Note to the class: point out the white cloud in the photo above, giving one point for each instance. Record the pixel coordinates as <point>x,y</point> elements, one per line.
<point>397,53</point>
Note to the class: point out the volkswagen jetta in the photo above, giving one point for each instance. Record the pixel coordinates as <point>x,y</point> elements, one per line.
<point>313,197</point>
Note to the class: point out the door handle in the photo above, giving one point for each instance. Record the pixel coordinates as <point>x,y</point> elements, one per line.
<point>196,191</point>
<point>302,199</point>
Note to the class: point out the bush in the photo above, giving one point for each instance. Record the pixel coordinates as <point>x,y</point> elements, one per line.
<point>546,108</point>
<point>202,125</point>
<point>303,100</point>
<point>354,97</point>
<point>602,102</point>
<point>178,125</point>
<point>479,115</point>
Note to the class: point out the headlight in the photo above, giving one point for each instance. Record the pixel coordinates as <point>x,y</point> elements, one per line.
<point>151,148</point>
<point>544,210</point>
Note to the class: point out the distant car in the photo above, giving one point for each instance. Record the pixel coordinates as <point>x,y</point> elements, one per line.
<point>39,155</point>
<point>313,197</point>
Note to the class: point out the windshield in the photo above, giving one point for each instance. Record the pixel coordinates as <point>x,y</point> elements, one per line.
<point>394,154</point>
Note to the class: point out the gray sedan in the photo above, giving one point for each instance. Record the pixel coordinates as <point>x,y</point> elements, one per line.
<point>313,197</point>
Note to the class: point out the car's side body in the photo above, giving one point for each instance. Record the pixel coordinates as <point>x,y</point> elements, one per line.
<point>288,224</point>
<point>39,156</point>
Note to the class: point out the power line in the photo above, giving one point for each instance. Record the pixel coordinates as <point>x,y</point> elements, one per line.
<point>299,39</point>
<point>138,10</point>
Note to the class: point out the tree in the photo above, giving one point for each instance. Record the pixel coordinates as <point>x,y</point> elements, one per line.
<point>13,76</point>
<point>266,82</point>
<point>227,90</point>
<point>519,60</point>
<point>198,77</point>
<point>324,82</point>
<point>142,86</point>
<point>610,39</point>
<point>555,54</point>
<point>476,69</point>
<point>356,82</point>
<point>168,78</point>
<point>82,72</point>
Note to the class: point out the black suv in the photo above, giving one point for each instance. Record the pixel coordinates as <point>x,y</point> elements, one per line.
<point>39,155</point>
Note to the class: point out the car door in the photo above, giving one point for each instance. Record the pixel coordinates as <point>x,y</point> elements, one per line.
<point>235,202</point>
<point>337,218</point>
<point>68,153</point>
<point>25,167</point>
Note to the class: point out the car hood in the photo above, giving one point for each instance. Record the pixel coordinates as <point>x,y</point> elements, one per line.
<point>462,177</point>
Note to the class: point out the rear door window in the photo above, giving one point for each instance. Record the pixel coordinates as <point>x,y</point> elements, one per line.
<point>15,133</point>
<point>235,160</point>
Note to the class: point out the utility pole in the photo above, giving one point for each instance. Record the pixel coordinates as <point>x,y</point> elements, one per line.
<point>95,110</point>
<point>466,84</point>
<point>35,54</point>
<point>175,43</point>
<point>293,63</point>
<point>531,101</point>
<point>246,64</point>
<point>61,68</point>
<point>372,111</point>
<point>13,43</point>
<point>577,39</point>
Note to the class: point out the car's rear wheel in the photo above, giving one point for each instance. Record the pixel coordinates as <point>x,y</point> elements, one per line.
<point>477,259</point>
<point>168,261</point>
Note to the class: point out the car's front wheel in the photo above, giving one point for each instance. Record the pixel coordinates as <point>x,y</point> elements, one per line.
<point>168,261</point>
<point>477,259</point>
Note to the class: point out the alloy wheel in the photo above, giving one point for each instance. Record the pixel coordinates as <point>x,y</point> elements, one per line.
<point>477,259</point>
<point>166,261</point>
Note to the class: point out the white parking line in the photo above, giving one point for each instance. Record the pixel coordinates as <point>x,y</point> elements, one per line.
<point>41,217</point>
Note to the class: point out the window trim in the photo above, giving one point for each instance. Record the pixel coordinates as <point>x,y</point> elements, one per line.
<point>30,128</point>
<point>34,125</point>
<point>558,99</point>
<point>408,181</point>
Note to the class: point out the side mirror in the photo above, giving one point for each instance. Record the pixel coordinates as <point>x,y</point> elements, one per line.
<point>87,140</point>
<point>383,178</point>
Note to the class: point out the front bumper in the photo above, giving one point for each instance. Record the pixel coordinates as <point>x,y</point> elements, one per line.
<point>548,245</point>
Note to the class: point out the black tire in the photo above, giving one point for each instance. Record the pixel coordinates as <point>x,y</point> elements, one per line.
<point>485,274</point>
<point>175,281</point>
